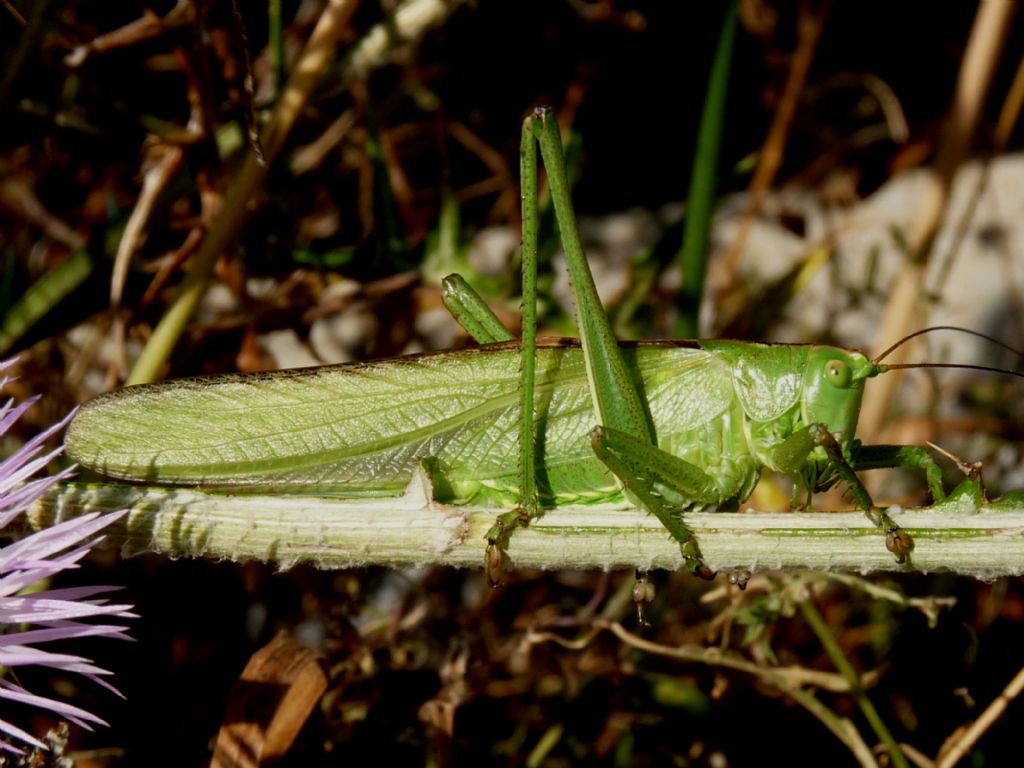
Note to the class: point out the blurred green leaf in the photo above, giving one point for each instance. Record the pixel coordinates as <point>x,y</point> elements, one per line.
<point>43,296</point>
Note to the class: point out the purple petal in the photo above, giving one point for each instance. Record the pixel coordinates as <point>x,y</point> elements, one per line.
<point>32,610</point>
<point>65,633</point>
<point>22,567</point>
<point>20,695</point>
<point>34,445</point>
<point>12,475</point>
<point>52,614</point>
<point>10,412</point>
<point>39,603</point>
<point>104,684</point>
<point>79,593</point>
<point>66,663</point>
<point>5,364</point>
<point>20,499</point>
<point>54,539</point>
<point>16,732</point>
<point>20,655</point>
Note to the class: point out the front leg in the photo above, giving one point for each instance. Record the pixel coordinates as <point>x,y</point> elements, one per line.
<point>791,456</point>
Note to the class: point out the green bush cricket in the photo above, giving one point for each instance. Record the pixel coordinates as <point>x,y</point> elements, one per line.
<point>521,425</point>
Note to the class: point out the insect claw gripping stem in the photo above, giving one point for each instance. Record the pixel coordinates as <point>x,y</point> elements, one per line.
<point>498,537</point>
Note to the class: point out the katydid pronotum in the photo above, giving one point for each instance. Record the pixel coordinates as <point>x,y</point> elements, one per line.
<point>522,425</point>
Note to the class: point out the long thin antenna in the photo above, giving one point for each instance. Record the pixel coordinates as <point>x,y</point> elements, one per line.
<point>968,331</point>
<point>896,366</point>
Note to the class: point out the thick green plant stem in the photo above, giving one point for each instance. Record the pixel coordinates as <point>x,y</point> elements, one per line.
<point>986,541</point>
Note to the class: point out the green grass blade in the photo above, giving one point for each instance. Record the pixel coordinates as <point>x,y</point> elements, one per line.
<point>694,253</point>
<point>444,251</point>
<point>42,296</point>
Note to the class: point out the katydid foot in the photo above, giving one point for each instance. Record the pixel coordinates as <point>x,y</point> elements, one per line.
<point>740,579</point>
<point>498,537</point>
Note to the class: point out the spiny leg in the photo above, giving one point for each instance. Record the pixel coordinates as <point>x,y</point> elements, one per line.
<point>792,454</point>
<point>500,533</point>
<point>917,457</point>
<point>616,400</point>
<point>905,456</point>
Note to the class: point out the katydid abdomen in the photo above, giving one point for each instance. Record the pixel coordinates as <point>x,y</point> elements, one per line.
<point>361,429</point>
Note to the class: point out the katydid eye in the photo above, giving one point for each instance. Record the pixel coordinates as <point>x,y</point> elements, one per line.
<point>838,373</point>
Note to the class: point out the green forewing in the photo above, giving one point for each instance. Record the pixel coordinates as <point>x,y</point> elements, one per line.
<point>361,429</point>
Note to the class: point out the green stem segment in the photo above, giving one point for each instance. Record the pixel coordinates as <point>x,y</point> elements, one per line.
<point>835,653</point>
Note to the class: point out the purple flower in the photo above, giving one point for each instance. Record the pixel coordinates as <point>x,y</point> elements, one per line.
<point>29,616</point>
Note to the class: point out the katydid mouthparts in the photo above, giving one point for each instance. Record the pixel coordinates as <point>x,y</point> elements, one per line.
<point>524,426</point>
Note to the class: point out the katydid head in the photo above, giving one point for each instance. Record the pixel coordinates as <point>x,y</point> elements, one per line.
<point>833,386</point>
<point>834,380</point>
